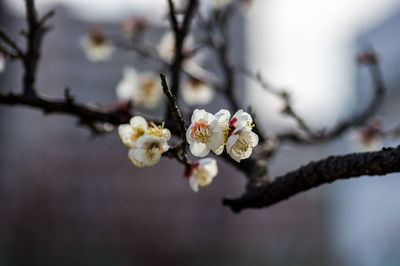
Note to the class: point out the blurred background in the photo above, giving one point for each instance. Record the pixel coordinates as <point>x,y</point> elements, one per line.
<point>68,199</point>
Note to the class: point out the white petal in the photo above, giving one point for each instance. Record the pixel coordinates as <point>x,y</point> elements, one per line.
<point>199,149</point>
<point>166,133</point>
<point>254,139</point>
<point>138,122</point>
<point>217,138</point>
<point>164,146</point>
<point>139,154</point>
<point>198,114</point>
<point>193,184</point>
<point>223,116</point>
<point>125,132</point>
<point>234,156</point>
<point>188,134</point>
<point>243,118</point>
<point>219,150</point>
<point>210,165</point>
<point>127,86</point>
<point>231,141</point>
<point>132,157</point>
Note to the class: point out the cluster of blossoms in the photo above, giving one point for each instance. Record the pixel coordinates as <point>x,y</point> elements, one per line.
<point>214,132</point>
<point>146,141</point>
<point>207,132</point>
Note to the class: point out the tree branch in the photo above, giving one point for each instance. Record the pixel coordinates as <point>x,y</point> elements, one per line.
<point>177,116</point>
<point>314,174</point>
<point>180,33</point>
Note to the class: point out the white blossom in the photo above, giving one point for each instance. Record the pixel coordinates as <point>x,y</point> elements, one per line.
<point>204,133</point>
<point>241,142</point>
<point>166,47</point>
<point>146,141</point>
<point>201,173</point>
<point>148,150</point>
<point>197,92</point>
<point>2,63</point>
<point>96,46</point>
<point>129,133</point>
<point>128,85</point>
<point>141,88</point>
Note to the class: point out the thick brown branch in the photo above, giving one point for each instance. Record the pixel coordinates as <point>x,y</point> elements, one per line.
<point>317,173</point>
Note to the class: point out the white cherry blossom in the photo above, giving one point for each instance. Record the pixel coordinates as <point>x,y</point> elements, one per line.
<point>136,128</point>
<point>148,150</point>
<point>141,88</point>
<point>96,45</point>
<point>128,85</point>
<point>241,142</point>
<point>197,92</point>
<point>204,133</point>
<point>201,173</point>
<point>240,138</point>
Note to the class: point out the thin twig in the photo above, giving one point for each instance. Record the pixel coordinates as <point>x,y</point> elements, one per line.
<point>176,114</point>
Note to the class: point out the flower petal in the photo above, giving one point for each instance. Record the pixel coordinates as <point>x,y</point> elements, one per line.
<point>193,184</point>
<point>138,122</point>
<point>199,149</point>
<point>125,132</point>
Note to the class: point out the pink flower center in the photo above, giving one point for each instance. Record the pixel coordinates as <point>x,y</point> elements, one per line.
<point>231,126</point>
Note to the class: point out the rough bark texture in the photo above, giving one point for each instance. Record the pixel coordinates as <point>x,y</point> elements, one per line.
<point>317,173</point>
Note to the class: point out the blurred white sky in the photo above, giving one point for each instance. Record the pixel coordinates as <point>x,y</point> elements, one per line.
<point>308,47</point>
